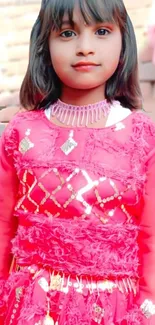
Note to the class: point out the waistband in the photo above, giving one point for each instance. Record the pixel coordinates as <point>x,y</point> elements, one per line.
<point>62,282</point>
<point>81,285</point>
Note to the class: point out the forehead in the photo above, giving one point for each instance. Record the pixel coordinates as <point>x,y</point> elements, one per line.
<point>83,10</point>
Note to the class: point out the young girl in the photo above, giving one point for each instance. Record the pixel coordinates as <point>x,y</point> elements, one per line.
<point>77,170</point>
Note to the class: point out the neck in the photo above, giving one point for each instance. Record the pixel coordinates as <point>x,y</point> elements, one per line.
<point>80,97</point>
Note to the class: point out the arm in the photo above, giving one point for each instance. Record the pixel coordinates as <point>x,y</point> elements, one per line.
<point>8,192</point>
<point>147,246</point>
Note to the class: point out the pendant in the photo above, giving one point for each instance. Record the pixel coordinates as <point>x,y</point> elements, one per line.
<point>69,145</point>
<point>26,144</point>
<point>48,320</point>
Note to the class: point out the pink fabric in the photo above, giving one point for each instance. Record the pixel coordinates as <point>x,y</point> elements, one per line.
<point>115,240</point>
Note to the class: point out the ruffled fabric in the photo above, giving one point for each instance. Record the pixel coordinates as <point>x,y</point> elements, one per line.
<point>83,247</point>
<point>2,290</point>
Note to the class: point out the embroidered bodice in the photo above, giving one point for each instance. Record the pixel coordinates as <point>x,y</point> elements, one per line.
<point>79,211</point>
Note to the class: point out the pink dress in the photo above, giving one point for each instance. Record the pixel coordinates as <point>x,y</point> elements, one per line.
<point>82,222</point>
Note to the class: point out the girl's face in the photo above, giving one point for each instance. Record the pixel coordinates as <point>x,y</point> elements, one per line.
<point>85,56</point>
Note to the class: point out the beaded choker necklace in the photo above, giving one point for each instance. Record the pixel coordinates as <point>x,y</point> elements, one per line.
<point>80,115</point>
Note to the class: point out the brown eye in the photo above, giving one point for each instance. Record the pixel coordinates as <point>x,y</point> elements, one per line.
<point>67,34</point>
<point>102,32</point>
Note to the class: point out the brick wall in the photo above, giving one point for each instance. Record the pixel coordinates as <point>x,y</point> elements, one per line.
<point>16,20</point>
<point>139,12</point>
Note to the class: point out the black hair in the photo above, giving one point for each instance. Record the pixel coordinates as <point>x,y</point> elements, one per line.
<point>41,86</point>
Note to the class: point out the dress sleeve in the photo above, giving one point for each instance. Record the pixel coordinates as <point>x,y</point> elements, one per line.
<point>8,193</point>
<point>147,246</point>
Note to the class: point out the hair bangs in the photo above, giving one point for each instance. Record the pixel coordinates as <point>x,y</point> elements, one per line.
<point>92,11</point>
<point>56,10</point>
<point>99,11</point>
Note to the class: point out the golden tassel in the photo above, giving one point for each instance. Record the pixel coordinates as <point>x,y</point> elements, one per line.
<point>48,319</point>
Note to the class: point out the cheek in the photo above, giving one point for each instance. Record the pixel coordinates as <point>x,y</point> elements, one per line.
<point>114,52</point>
<point>56,55</point>
<point>60,63</point>
<point>117,47</point>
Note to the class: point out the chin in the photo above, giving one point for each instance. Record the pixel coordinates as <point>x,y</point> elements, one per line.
<point>84,82</point>
<point>84,86</point>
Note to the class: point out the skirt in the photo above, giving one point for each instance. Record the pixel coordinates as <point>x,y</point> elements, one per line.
<point>33,296</point>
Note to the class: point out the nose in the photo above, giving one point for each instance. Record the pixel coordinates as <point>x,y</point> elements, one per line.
<point>85,45</point>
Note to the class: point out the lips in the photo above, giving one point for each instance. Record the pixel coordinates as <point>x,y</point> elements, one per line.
<point>85,64</point>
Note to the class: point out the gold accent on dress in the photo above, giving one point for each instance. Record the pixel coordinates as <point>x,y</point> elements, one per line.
<point>19,292</point>
<point>55,282</point>
<point>69,145</point>
<point>46,195</point>
<point>48,320</point>
<point>98,313</point>
<point>26,144</point>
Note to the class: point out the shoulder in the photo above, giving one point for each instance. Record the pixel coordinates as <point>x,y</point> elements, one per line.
<point>24,115</point>
<point>143,117</point>
<point>16,127</point>
<point>143,130</point>
<point>22,118</point>
<point>143,122</point>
